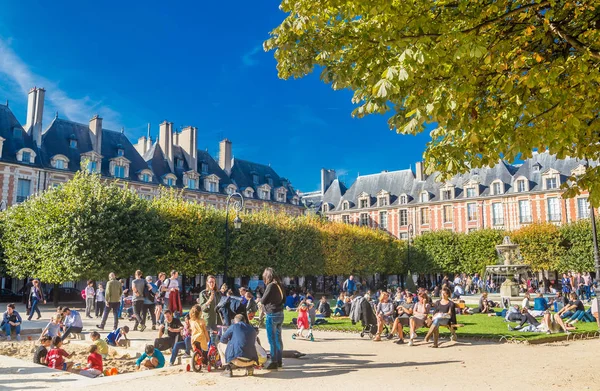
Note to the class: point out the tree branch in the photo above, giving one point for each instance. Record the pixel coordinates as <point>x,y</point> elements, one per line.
<point>509,13</point>
<point>576,44</point>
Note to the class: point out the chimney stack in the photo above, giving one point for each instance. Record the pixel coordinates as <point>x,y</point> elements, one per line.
<point>96,128</point>
<point>225,156</point>
<point>144,143</point>
<point>420,172</point>
<point>327,178</point>
<point>165,141</point>
<point>188,141</point>
<point>35,112</point>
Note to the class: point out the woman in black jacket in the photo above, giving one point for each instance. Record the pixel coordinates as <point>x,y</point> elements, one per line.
<point>273,300</point>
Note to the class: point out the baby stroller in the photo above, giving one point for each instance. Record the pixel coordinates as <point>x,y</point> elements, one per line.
<point>362,311</point>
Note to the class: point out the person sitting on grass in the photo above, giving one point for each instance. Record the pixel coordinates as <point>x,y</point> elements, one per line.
<point>445,315</point>
<point>39,356</point>
<point>574,307</point>
<point>526,317</point>
<point>117,337</point>
<point>11,321</point>
<point>484,304</point>
<point>55,357</point>
<point>151,358</point>
<point>384,313</point>
<point>339,306</point>
<point>540,305</point>
<point>239,343</point>
<point>102,345</point>
<point>184,343</point>
<point>419,316</point>
<point>52,329</point>
<point>405,311</point>
<point>94,365</point>
<point>324,307</point>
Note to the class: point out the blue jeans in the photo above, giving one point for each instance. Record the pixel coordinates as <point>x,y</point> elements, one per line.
<point>273,326</point>
<point>185,344</point>
<point>34,307</point>
<point>7,328</point>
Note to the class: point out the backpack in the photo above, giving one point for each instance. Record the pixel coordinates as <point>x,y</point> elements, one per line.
<point>148,295</point>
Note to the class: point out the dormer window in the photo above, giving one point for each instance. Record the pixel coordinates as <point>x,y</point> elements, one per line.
<point>146,176</point>
<point>325,208</point>
<point>364,203</point>
<point>295,200</point>
<point>345,205</point>
<point>211,183</point>
<point>521,185</point>
<point>264,195</point>
<point>92,167</point>
<point>204,168</point>
<point>537,167</point>
<point>281,195</point>
<point>470,192</point>
<point>424,196</point>
<point>59,162</point>
<point>497,188</point>
<point>26,155</point>
<point>551,179</point>
<point>249,193</point>
<point>72,141</point>
<point>403,199</point>
<point>383,198</point>
<point>230,189</point>
<point>119,167</point>
<point>119,171</point>
<point>255,179</point>
<point>551,183</point>
<point>170,180</point>
<point>191,183</point>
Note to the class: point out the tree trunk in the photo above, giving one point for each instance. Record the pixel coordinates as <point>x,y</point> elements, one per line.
<point>55,295</point>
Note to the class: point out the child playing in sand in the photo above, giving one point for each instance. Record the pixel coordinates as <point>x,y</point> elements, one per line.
<point>102,345</point>
<point>115,336</point>
<point>150,359</point>
<point>52,329</point>
<point>94,366</point>
<point>55,357</point>
<point>39,357</point>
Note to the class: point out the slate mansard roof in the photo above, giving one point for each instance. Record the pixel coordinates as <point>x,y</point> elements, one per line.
<point>56,141</point>
<point>404,182</point>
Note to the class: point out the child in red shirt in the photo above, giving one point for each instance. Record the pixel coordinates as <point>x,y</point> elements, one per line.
<point>302,323</point>
<point>94,366</point>
<point>55,359</point>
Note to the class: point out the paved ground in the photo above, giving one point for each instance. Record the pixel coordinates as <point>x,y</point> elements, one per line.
<point>355,364</point>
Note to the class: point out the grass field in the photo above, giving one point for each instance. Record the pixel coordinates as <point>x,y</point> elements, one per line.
<point>475,326</point>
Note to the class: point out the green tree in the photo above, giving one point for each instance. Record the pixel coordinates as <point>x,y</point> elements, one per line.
<point>579,253</point>
<point>478,249</point>
<point>541,245</point>
<point>499,78</point>
<point>437,251</point>
<point>84,229</point>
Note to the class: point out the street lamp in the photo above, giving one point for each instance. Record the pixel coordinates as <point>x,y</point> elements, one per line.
<point>235,200</point>
<point>410,232</point>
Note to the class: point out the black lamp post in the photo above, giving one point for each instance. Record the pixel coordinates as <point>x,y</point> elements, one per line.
<point>410,232</point>
<point>236,200</point>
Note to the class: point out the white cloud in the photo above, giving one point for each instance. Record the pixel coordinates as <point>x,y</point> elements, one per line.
<point>248,59</point>
<point>20,79</point>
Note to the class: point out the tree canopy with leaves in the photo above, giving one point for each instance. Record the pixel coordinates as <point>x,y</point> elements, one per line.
<point>499,78</point>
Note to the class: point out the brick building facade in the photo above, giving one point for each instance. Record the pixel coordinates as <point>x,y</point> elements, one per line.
<point>506,196</point>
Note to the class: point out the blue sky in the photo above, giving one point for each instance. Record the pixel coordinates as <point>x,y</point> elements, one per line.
<point>192,63</point>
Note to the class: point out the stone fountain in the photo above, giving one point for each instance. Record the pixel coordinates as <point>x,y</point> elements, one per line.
<point>508,256</point>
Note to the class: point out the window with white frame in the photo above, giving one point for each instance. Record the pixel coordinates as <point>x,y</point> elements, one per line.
<point>583,208</point>
<point>346,219</point>
<point>497,188</point>
<point>23,189</point>
<point>345,205</point>
<point>212,186</point>
<point>424,216</point>
<point>403,217</point>
<point>403,199</point>
<point>364,202</point>
<point>325,207</point>
<point>264,194</point>
<point>472,211</point>
<point>525,212</point>
<point>553,209</point>
<point>364,219</point>
<point>170,181</point>
<point>249,193</point>
<point>470,192</point>
<point>119,171</point>
<point>281,196</point>
<point>145,177</point>
<point>447,194</point>
<point>521,186</point>
<point>230,190</point>
<point>26,155</point>
<point>551,183</point>
<point>92,166</point>
<point>447,214</point>
<point>497,213</point>
<point>404,235</point>
<point>191,183</point>
<point>383,200</point>
<point>424,196</point>
<point>383,220</point>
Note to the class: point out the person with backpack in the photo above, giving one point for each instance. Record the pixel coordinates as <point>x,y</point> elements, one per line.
<point>138,286</point>
<point>149,301</point>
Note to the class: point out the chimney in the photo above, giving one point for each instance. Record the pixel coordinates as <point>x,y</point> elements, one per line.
<point>327,178</point>
<point>188,141</point>
<point>144,143</point>
<point>96,128</point>
<point>35,112</point>
<point>165,141</point>
<point>420,172</point>
<point>225,156</point>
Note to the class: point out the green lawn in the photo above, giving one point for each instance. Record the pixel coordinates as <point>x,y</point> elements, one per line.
<point>475,326</point>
